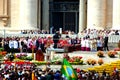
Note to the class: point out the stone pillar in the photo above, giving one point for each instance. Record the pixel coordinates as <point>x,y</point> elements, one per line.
<point>14,13</point>
<point>82,14</point>
<point>3,13</point>
<point>45,14</point>
<point>28,14</point>
<point>109,14</point>
<point>39,14</point>
<point>116,14</point>
<point>96,14</point>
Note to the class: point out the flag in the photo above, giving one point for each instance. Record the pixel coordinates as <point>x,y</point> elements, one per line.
<point>68,71</point>
<point>33,76</point>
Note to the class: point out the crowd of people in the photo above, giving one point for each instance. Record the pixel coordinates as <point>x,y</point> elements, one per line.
<point>28,44</point>
<point>84,32</point>
<point>96,32</point>
<point>34,32</point>
<point>32,72</point>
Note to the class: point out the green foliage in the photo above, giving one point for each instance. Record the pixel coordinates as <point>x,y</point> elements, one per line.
<point>29,58</point>
<point>1,49</point>
<point>1,56</point>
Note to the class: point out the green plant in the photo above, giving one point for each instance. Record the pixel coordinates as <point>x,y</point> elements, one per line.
<point>1,56</point>
<point>1,49</point>
<point>29,58</point>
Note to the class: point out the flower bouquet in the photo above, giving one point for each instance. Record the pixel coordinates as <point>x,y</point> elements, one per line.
<point>112,53</point>
<point>56,60</point>
<point>9,57</point>
<point>91,61</point>
<point>100,61</point>
<point>21,56</point>
<point>76,60</point>
<point>100,53</point>
<point>65,55</point>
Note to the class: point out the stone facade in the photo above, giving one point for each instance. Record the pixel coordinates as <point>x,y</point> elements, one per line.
<point>34,14</point>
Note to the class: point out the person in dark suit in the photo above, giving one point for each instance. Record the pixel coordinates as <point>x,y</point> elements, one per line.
<point>106,43</point>
<point>56,38</point>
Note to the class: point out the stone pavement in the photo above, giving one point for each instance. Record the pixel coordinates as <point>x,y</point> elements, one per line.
<point>86,55</point>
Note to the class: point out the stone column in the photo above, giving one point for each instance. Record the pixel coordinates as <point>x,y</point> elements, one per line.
<point>39,14</point>
<point>45,14</point>
<point>96,14</point>
<point>82,14</point>
<point>116,14</point>
<point>14,13</point>
<point>28,14</point>
<point>3,13</point>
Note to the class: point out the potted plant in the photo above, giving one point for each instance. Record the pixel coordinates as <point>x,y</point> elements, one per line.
<point>89,61</point>
<point>112,53</point>
<point>100,61</point>
<point>93,62</point>
<point>100,53</point>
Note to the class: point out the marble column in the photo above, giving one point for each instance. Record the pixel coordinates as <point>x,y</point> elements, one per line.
<point>28,14</point>
<point>82,14</point>
<point>45,14</point>
<point>3,13</point>
<point>116,14</point>
<point>96,14</point>
<point>14,13</point>
<point>39,14</point>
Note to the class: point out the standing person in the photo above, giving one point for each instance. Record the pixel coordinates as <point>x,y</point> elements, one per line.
<point>99,44</point>
<point>56,38</point>
<point>11,45</point>
<point>83,44</point>
<point>87,44</point>
<point>106,43</point>
<point>6,45</point>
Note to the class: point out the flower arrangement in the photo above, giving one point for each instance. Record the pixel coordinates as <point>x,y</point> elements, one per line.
<point>39,62</point>
<point>76,60</point>
<point>100,61</point>
<point>91,61</point>
<point>112,53</point>
<point>24,56</point>
<point>56,60</point>
<point>21,56</point>
<point>100,53</point>
<point>2,52</point>
<point>65,55</point>
<point>9,57</point>
<point>116,49</point>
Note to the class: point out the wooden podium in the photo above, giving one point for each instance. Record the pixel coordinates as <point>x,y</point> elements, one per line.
<point>39,55</point>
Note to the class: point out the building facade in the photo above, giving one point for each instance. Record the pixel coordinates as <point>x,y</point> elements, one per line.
<point>74,15</point>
